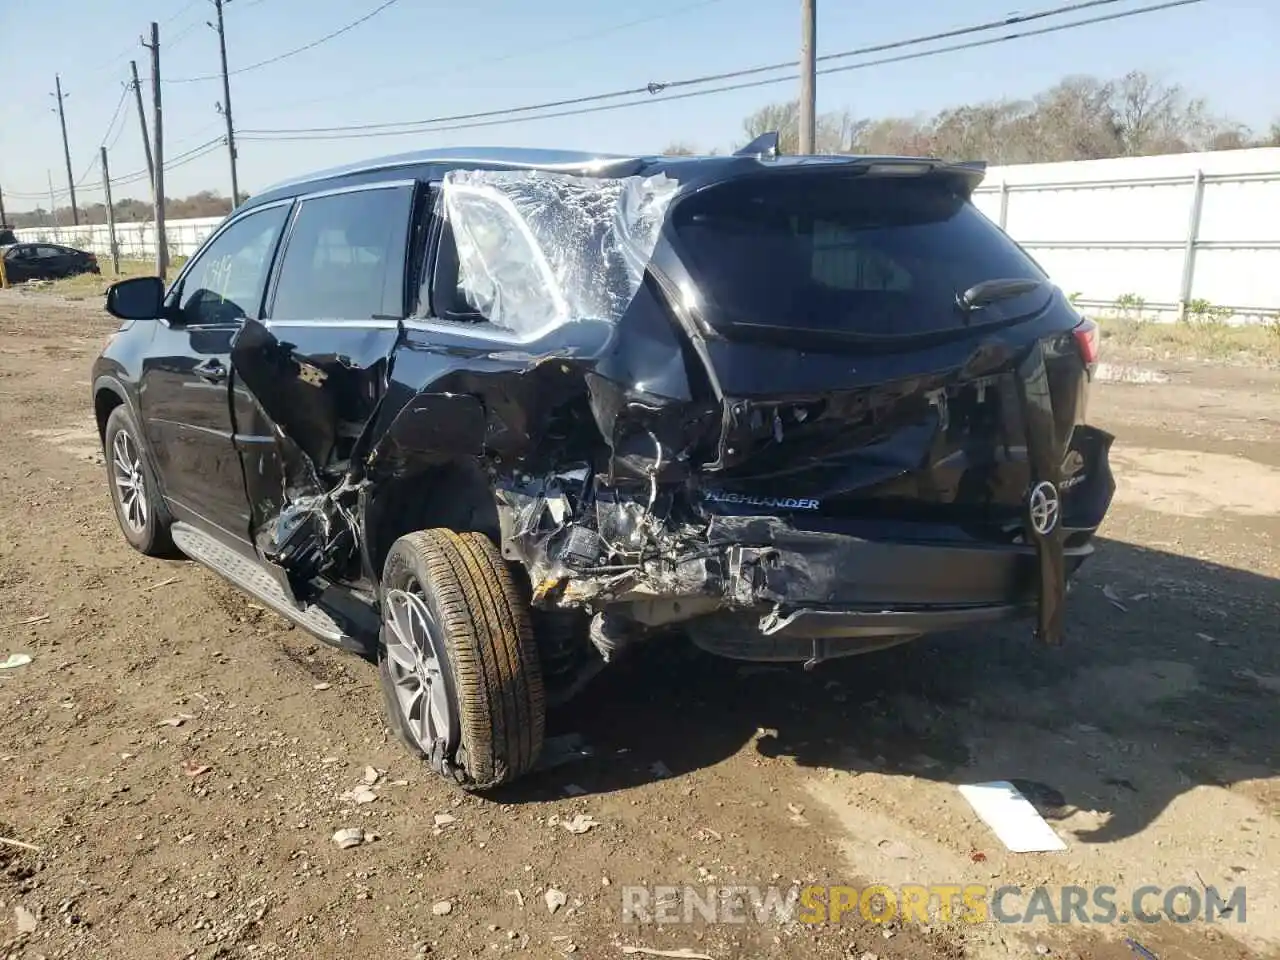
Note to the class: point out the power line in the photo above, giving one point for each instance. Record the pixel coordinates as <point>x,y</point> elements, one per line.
<point>525,51</point>
<point>189,156</point>
<point>120,129</point>
<point>88,171</point>
<point>508,115</point>
<point>195,134</point>
<point>290,53</point>
<point>655,88</point>
<point>118,58</point>
<point>115,115</point>
<point>182,159</point>
<point>128,51</point>
<point>185,31</point>
<point>213,146</point>
<point>181,11</point>
<point>340,133</point>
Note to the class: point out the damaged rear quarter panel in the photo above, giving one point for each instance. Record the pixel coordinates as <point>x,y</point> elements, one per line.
<point>349,406</point>
<point>549,375</point>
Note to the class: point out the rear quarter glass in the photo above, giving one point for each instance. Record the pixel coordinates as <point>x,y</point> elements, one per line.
<point>868,255</point>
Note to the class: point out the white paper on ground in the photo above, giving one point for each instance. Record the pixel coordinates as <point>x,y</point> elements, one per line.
<point>1011,816</point>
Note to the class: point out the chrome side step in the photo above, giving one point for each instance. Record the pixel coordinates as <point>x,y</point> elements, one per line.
<point>249,576</point>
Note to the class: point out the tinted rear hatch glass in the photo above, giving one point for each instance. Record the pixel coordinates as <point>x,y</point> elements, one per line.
<point>900,329</point>
<point>856,255</point>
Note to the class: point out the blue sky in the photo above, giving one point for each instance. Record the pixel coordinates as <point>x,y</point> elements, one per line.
<point>422,58</point>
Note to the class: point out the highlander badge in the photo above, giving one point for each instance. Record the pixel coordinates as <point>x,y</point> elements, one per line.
<point>779,503</point>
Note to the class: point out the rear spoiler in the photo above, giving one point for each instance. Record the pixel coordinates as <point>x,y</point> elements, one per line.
<point>972,172</point>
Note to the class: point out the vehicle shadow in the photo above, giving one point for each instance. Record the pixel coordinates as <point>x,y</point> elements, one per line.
<point>1169,679</point>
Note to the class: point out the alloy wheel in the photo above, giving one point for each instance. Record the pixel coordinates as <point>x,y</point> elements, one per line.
<point>131,486</point>
<point>414,645</point>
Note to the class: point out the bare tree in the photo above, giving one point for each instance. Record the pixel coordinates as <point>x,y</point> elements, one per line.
<point>997,132</point>
<point>1079,118</point>
<point>1155,117</point>
<point>895,136</point>
<point>679,148</point>
<point>1150,116</point>
<point>835,133</point>
<point>1074,120</point>
<point>838,132</point>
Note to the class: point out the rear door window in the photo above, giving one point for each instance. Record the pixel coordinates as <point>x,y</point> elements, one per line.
<point>871,255</point>
<point>345,257</point>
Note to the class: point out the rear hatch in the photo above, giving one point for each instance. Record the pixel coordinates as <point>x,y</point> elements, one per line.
<point>880,350</point>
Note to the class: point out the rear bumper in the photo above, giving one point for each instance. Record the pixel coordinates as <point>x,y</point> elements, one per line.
<point>805,569</point>
<point>823,596</point>
<point>809,595</point>
<point>811,623</point>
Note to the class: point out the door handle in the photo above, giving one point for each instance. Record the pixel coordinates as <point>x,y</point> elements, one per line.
<point>211,370</point>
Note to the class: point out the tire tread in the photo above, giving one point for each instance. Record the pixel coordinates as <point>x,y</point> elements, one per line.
<point>491,650</point>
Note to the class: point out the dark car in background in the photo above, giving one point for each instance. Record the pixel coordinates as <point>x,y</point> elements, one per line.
<point>491,418</point>
<point>46,261</point>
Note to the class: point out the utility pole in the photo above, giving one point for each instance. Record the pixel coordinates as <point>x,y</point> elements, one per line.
<point>142,119</point>
<point>53,204</point>
<point>66,151</point>
<point>111,213</point>
<point>808,74</point>
<point>226,106</point>
<point>3,221</point>
<point>162,245</point>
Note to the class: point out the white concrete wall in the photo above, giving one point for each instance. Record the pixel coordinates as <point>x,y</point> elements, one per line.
<point>137,240</point>
<point>1103,229</point>
<point>1112,229</point>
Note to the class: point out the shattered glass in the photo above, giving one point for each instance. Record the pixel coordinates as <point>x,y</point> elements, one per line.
<point>538,249</point>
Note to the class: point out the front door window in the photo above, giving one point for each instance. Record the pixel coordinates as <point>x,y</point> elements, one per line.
<point>227,280</point>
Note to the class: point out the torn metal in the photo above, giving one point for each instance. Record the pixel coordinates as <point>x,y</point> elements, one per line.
<point>650,472</point>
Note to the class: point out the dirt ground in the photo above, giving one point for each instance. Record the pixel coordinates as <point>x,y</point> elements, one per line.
<point>1149,741</point>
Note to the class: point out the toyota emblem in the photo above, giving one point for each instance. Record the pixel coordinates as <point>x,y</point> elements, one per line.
<point>1044,507</point>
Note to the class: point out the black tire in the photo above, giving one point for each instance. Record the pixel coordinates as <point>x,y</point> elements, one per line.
<point>489,659</point>
<point>151,536</point>
<point>569,661</point>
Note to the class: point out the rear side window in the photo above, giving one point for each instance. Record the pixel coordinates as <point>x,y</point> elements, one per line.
<point>873,255</point>
<point>345,257</point>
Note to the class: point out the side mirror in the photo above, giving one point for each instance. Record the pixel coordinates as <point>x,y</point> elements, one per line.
<point>138,298</point>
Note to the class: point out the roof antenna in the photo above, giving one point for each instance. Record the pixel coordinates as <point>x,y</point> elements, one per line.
<point>765,145</point>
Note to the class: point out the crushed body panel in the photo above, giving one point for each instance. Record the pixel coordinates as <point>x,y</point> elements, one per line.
<point>653,455</point>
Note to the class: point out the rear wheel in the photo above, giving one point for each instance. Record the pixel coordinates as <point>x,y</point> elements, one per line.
<point>140,509</point>
<point>458,663</point>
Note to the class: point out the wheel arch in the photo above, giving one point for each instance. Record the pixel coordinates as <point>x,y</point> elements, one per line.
<point>456,495</point>
<point>108,393</point>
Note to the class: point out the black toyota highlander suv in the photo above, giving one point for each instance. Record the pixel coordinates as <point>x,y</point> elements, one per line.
<point>493,417</point>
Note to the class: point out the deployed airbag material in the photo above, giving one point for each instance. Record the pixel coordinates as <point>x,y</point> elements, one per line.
<point>538,249</point>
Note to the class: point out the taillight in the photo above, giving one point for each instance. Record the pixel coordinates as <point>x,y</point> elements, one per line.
<point>1087,339</point>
